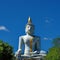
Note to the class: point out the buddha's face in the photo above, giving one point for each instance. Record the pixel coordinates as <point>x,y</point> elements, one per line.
<point>29,29</point>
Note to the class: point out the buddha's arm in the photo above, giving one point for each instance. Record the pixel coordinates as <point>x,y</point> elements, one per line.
<point>20,43</point>
<point>38,44</point>
<point>18,53</point>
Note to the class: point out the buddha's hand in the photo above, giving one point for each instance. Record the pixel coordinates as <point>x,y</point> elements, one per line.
<point>18,53</point>
<point>36,52</point>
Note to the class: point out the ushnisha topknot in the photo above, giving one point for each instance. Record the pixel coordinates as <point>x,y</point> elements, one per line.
<point>29,21</point>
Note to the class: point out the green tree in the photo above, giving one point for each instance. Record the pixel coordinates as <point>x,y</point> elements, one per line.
<point>54,52</point>
<point>6,51</point>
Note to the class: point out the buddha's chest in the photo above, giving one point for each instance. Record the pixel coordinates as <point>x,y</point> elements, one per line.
<point>29,40</point>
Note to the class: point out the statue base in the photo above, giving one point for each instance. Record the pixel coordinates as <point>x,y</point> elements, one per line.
<point>32,57</point>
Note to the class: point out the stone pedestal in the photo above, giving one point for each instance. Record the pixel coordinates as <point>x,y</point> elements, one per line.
<point>31,57</point>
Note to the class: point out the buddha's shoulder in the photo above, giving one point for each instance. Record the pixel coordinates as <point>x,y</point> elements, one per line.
<point>34,36</point>
<point>37,37</point>
<point>22,36</point>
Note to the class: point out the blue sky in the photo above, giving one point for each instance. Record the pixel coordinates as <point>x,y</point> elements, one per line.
<point>45,16</point>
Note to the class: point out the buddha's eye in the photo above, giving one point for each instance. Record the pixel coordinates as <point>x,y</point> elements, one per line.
<point>28,26</point>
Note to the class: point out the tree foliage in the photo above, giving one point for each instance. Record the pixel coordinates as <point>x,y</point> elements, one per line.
<point>6,51</point>
<point>54,52</point>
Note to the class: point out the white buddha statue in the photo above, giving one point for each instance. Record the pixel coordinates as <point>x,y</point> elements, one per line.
<point>31,42</point>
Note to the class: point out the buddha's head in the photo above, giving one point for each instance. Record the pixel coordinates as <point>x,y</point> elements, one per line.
<point>29,27</point>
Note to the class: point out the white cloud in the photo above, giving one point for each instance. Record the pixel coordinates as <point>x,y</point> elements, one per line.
<point>3,28</point>
<point>47,21</point>
<point>46,38</point>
